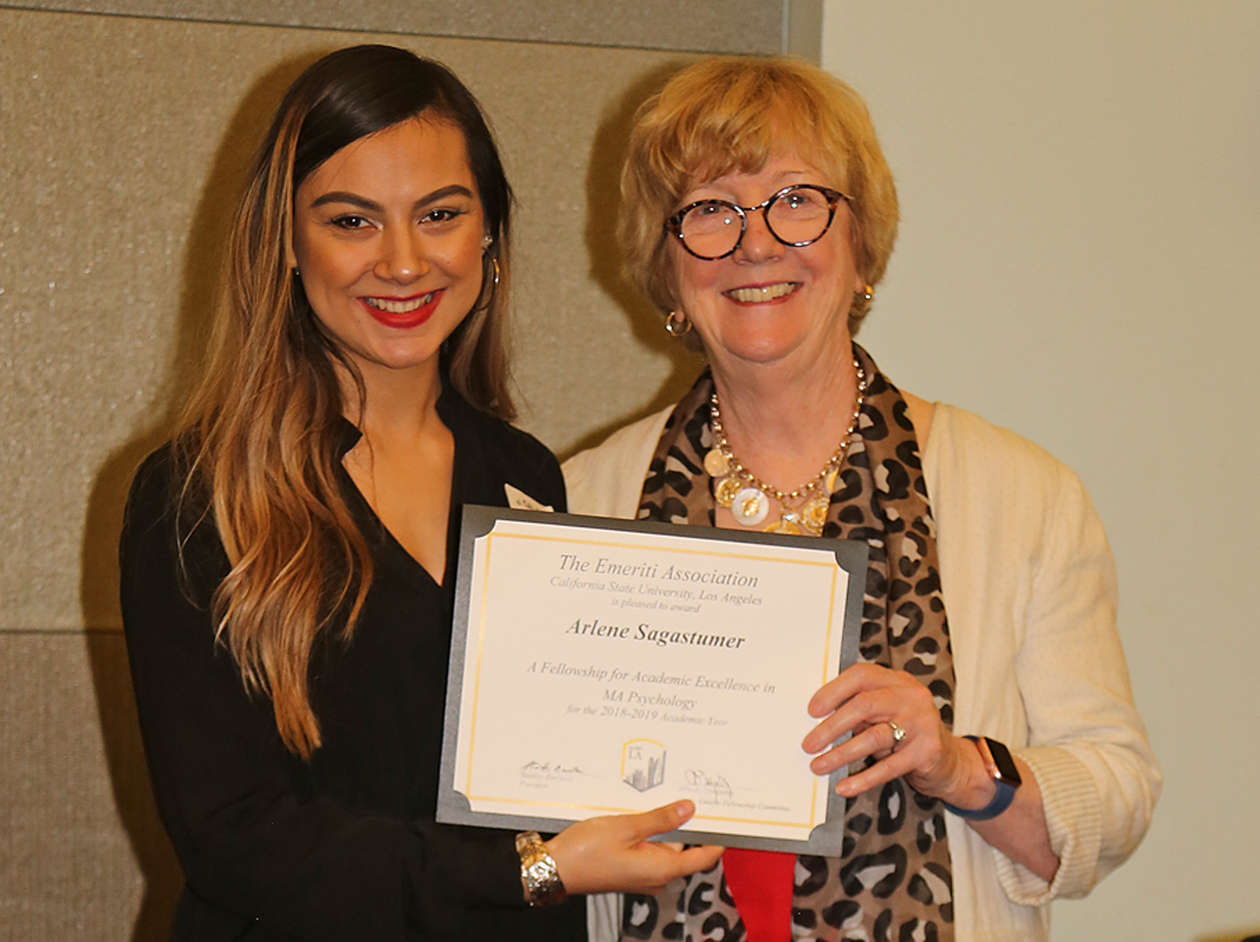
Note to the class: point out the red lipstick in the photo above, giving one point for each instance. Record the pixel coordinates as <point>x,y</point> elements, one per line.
<point>405,320</point>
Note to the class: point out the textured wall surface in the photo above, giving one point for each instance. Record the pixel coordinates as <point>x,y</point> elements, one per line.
<point>82,855</point>
<point>740,26</point>
<point>123,137</point>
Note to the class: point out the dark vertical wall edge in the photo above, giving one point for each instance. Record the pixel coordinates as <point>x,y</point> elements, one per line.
<point>802,29</point>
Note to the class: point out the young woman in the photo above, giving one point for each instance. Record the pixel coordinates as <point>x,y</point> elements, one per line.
<point>287,559</point>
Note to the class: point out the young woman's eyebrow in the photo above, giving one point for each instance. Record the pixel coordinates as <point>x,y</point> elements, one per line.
<point>362,202</point>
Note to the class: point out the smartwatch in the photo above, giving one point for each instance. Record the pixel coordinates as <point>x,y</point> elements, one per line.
<point>1000,765</point>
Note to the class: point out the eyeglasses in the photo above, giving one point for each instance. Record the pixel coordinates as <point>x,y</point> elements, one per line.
<point>796,216</point>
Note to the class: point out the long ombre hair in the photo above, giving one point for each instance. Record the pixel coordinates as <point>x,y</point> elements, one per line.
<point>259,440</point>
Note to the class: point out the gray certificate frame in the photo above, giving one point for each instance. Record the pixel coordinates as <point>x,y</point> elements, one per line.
<point>477,521</point>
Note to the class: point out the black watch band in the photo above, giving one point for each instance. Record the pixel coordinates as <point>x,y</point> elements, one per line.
<point>997,759</point>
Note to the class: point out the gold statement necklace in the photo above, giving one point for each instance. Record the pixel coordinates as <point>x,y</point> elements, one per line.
<point>802,511</point>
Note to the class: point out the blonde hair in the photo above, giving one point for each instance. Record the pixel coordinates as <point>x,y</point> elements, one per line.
<point>259,442</point>
<point>734,114</point>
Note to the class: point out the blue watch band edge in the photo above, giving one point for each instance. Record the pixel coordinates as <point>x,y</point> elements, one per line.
<point>1002,799</point>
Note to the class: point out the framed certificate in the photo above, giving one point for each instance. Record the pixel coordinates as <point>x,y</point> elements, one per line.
<point>611,666</point>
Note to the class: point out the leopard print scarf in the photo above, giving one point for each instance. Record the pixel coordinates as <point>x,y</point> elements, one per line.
<point>893,880</point>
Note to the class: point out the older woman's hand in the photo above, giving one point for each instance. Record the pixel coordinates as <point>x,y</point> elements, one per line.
<point>613,854</point>
<point>873,703</point>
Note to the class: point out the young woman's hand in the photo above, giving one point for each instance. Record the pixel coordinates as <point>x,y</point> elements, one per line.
<point>613,854</point>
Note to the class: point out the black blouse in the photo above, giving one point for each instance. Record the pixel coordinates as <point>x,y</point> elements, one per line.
<point>343,847</point>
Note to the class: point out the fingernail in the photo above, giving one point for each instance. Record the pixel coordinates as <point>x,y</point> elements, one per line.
<point>684,810</point>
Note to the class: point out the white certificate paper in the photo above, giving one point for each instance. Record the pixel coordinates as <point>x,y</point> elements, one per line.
<point>605,666</point>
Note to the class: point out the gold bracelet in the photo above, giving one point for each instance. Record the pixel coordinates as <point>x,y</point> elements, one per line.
<point>539,876</point>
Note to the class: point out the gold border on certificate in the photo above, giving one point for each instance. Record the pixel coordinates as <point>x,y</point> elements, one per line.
<point>497,716</point>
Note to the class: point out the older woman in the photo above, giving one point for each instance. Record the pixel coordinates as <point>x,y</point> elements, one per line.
<point>997,760</point>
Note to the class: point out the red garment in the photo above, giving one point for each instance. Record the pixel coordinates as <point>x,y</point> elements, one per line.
<point>761,883</point>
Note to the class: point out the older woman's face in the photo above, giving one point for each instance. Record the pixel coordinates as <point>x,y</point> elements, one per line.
<point>767,302</point>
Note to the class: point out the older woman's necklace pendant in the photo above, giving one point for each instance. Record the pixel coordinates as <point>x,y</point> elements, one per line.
<point>716,464</point>
<point>747,497</point>
<point>750,506</point>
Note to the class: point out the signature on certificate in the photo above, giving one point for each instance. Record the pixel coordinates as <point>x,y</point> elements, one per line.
<point>550,768</point>
<point>712,786</point>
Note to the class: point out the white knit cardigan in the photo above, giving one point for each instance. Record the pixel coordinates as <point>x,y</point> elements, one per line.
<point>1029,586</point>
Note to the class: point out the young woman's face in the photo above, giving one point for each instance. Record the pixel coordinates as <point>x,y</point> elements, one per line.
<point>388,237</point>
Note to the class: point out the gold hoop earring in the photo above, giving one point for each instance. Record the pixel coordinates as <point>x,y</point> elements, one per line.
<point>485,298</point>
<point>676,324</point>
<point>865,294</point>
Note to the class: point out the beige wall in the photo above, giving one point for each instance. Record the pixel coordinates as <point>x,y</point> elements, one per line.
<point>1080,261</point>
<point>122,136</point>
